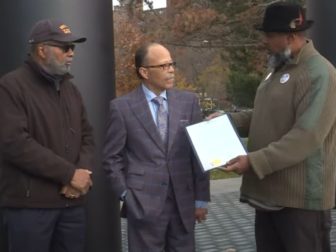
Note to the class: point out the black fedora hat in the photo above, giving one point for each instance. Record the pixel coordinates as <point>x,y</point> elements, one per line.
<point>284,17</point>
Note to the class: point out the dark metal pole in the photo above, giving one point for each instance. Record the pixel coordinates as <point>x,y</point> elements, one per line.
<point>323,31</point>
<point>94,75</point>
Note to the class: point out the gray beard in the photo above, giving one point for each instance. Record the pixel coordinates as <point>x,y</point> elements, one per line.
<point>277,60</point>
<point>53,67</point>
<point>56,69</point>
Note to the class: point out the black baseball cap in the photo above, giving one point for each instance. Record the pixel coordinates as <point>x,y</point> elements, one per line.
<point>52,30</point>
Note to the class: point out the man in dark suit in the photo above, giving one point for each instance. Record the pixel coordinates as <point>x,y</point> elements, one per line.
<point>149,161</point>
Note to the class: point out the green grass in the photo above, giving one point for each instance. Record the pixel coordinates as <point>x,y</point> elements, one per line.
<point>220,174</point>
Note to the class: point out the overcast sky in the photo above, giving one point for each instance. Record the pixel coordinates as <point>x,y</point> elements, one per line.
<point>156,4</point>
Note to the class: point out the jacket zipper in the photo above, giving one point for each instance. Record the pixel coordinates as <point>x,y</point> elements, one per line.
<point>28,188</point>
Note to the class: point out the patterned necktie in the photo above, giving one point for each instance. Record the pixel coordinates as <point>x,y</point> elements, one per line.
<point>161,118</point>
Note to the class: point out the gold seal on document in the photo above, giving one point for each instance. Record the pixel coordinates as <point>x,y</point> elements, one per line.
<point>216,162</point>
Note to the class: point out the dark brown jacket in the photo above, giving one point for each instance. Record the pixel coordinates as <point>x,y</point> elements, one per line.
<point>44,137</point>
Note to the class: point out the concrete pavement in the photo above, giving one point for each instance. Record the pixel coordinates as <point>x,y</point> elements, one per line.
<point>230,224</point>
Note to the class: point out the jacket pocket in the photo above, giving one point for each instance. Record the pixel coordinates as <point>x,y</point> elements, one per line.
<point>135,178</point>
<point>135,183</point>
<point>136,171</point>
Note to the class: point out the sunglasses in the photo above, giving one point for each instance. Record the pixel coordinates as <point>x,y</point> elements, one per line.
<point>64,47</point>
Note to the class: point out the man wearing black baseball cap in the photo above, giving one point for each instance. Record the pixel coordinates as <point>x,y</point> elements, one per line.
<point>53,30</point>
<point>46,145</point>
<point>289,172</point>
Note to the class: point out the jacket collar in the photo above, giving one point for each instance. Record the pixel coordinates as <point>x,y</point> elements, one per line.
<point>43,74</point>
<point>306,51</point>
<point>139,106</point>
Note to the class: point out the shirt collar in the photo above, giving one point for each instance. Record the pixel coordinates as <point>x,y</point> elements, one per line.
<point>150,95</point>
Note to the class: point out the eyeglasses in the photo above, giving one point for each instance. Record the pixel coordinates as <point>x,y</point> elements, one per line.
<point>164,67</point>
<point>64,47</point>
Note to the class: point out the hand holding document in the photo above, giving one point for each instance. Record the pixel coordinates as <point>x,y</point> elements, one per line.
<point>215,142</point>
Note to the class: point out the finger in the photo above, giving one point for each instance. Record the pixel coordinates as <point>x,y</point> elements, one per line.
<point>84,191</point>
<point>230,168</point>
<point>203,215</point>
<point>232,161</point>
<point>73,197</point>
<point>214,115</point>
<point>63,190</point>
<point>73,194</point>
<point>80,186</point>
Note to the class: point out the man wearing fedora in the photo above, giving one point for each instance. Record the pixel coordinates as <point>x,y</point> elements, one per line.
<point>46,147</point>
<point>289,172</point>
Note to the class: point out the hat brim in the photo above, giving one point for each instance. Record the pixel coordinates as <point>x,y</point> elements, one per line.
<point>79,40</point>
<point>69,39</point>
<point>62,39</point>
<point>304,27</point>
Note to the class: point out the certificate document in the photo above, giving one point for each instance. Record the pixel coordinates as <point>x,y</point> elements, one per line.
<point>215,142</point>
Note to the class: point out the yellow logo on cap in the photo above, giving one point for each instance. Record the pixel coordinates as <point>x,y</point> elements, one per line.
<point>65,29</point>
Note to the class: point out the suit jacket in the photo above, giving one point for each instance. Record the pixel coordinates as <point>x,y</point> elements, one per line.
<point>137,160</point>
